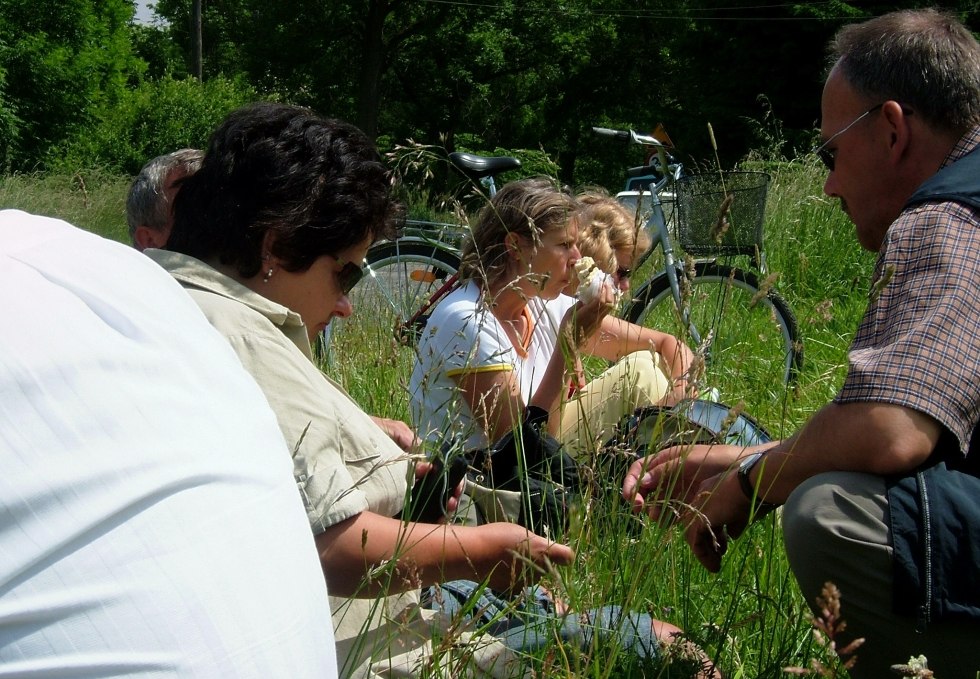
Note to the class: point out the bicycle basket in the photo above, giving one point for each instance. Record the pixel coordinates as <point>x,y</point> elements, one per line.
<point>721,213</point>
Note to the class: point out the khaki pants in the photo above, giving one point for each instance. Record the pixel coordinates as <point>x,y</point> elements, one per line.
<point>836,528</point>
<point>588,420</point>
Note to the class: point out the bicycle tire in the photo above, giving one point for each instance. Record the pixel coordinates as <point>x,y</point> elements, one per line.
<point>754,343</point>
<point>399,276</point>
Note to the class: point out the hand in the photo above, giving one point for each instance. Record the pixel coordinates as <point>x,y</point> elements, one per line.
<point>399,432</point>
<point>515,556</point>
<point>423,467</point>
<point>675,474</point>
<point>719,512</point>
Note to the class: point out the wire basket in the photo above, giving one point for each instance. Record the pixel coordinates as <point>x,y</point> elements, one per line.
<point>721,213</point>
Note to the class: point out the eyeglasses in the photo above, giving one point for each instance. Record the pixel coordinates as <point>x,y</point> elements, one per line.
<point>623,274</point>
<point>829,156</point>
<point>348,276</point>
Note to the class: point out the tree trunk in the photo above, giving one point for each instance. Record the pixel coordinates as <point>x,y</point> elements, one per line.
<point>372,67</point>
<point>197,67</point>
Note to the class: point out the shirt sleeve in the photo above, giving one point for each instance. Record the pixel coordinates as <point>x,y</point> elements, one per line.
<point>918,344</point>
<point>471,340</point>
<point>343,463</point>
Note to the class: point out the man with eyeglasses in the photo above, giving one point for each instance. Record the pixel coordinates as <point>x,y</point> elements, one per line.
<point>880,486</point>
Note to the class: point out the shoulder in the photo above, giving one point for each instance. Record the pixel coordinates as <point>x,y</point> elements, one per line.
<point>462,310</point>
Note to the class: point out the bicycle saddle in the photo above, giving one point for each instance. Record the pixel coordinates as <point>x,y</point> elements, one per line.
<point>478,167</point>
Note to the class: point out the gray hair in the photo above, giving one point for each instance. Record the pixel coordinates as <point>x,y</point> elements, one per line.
<point>923,58</point>
<point>146,204</point>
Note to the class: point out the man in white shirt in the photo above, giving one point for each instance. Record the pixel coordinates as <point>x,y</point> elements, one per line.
<point>150,521</point>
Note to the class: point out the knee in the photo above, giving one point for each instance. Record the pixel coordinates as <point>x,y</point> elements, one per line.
<point>831,520</point>
<point>645,374</point>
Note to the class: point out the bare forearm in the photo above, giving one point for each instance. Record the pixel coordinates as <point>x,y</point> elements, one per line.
<point>371,554</point>
<point>875,438</point>
<point>418,554</point>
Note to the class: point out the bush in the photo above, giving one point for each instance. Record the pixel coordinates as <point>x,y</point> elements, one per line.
<point>157,117</point>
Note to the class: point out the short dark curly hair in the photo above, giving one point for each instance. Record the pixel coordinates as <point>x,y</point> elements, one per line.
<point>317,183</point>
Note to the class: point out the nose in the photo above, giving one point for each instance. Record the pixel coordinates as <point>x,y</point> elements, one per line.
<point>576,253</point>
<point>830,185</point>
<point>343,308</point>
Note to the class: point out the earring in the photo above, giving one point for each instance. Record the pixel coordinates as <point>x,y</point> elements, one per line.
<point>268,275</point>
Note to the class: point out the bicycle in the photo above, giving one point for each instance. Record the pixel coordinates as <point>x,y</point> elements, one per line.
<point>745,330</point>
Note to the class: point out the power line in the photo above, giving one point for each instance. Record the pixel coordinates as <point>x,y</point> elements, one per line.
<point>659,15</point>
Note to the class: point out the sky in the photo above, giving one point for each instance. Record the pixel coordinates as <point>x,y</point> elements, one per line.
<point>143,13</point>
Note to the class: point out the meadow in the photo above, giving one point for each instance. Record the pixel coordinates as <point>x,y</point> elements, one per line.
<point>750,617</point>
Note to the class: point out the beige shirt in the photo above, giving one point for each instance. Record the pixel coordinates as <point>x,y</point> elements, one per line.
<point>343,463</point>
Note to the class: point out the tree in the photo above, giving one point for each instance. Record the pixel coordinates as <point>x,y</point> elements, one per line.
<point>63,60</point>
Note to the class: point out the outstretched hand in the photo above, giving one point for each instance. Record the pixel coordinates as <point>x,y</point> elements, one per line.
<point>674,474</point>
<point>707,497</point>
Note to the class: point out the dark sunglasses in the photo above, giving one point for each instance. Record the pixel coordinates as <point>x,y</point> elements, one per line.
<point>829,156</point>
<point>623,274</point>
<point>348,276</point>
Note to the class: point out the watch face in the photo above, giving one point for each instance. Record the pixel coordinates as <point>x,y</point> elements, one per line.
<point>748,462</point>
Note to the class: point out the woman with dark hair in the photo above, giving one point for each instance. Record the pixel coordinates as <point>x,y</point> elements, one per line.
<point>268,239</point>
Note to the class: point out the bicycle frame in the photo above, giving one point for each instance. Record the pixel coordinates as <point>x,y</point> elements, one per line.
<point>652,186</point>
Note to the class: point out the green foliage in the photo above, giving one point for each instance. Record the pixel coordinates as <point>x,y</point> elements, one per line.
<point>9,124</point>
<point>155,45</point>
<point>156,117</point>
<point>61,61</point>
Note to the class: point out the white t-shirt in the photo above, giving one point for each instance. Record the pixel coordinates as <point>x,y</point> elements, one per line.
<point>151,524</point>
<point>463,336</point>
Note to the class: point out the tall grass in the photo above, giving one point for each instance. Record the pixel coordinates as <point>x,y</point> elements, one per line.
<point>92,200</point>
<point>750,618</point>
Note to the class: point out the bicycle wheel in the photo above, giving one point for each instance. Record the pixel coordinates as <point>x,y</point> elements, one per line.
<point>749,339</point>
<point>362,351</point>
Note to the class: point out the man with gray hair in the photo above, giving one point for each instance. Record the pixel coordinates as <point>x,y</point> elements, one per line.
<point>149,205</point>
<point>880,486</point>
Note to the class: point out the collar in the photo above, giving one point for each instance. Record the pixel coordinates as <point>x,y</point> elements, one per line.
<point>193,274</point>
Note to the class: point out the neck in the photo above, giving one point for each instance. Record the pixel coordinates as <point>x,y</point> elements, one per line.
<point>508,301</point>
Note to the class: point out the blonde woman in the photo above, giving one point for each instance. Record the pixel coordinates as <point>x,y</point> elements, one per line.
<point>653,368</point>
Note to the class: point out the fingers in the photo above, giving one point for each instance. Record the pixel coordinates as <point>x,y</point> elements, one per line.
<point>636,472</point>
<point>646,484</point>
<point>560,555</point>
<point>422,468</point>
<point>707,545</point>
<point>452,504</point>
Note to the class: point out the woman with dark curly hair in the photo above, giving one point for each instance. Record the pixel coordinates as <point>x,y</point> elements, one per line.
<point>268,239</point>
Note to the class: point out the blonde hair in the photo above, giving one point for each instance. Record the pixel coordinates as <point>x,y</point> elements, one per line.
<point>606,226</point>
<point>527,207</point>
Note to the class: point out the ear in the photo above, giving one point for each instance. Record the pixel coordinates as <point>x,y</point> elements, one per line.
<point>268,245</point>
<point>899,132</point>
<point>144,237</point>
<point>512,242</point>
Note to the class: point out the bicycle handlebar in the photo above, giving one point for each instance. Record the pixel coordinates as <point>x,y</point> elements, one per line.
<point>629,135</point>
<point>615,134</point>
